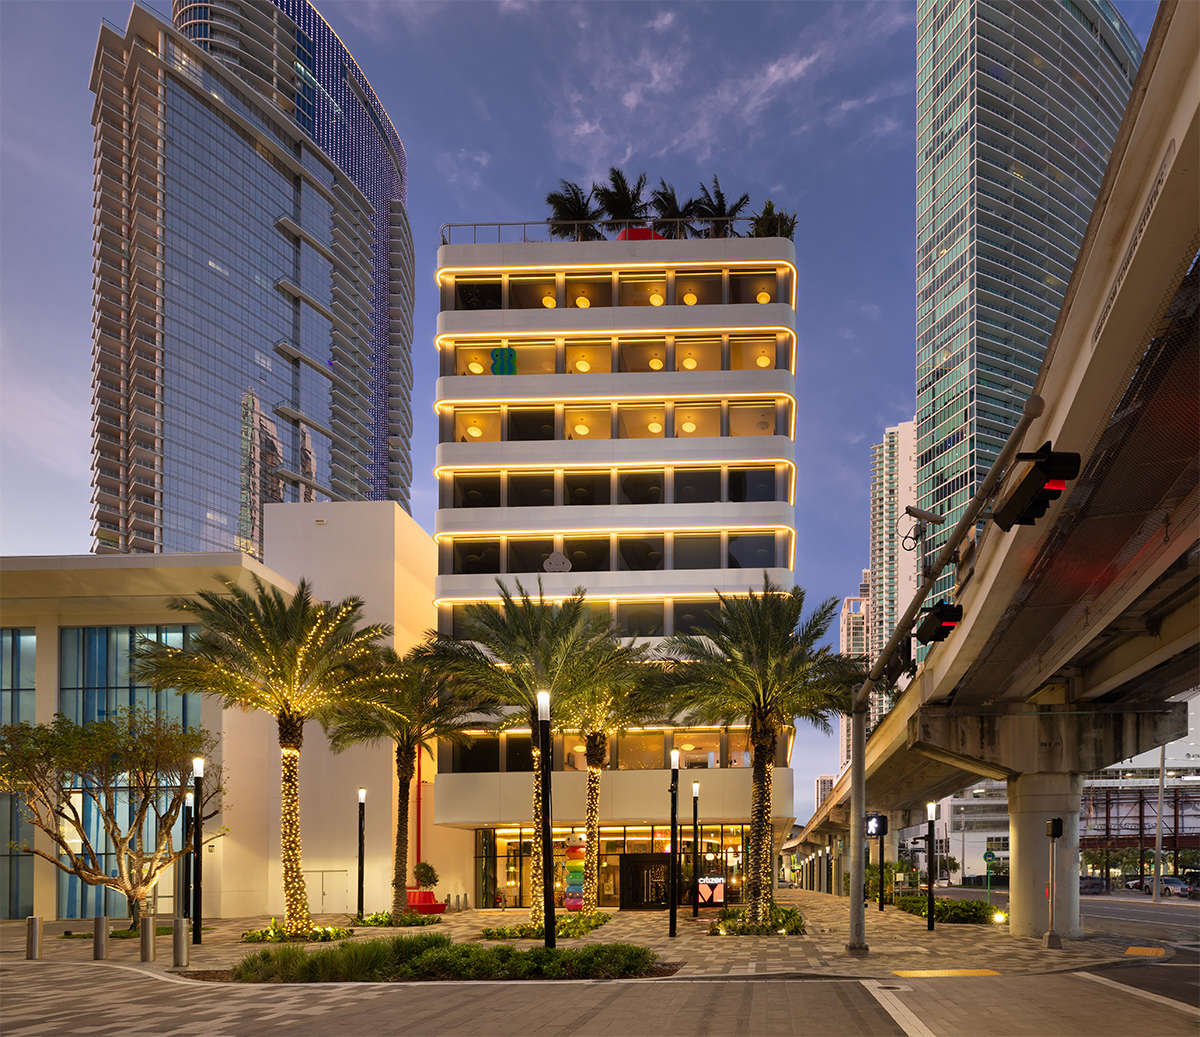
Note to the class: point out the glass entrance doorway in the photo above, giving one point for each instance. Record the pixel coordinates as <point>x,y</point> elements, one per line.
<point>645,880</point>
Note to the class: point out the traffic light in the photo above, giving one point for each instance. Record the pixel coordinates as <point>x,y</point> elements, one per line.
<point>1054,828</point>
<point>877,824</point>
<point>1029,488</point>
<point>938,622</point>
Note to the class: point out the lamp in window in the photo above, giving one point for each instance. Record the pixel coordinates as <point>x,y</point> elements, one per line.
<point>689,427</point>
<point>763,296</point>
<point>689,298</point>
<point>581,429</point>
<point>549,301</point>
<point>655,364</point>
<point>582,366</point>
<point>655,427</point>
<point>689,363</point>
<point>475,367</point>
<point>763,361</point>
<point>656,298</point>
<point>582,302</point>
<point>474,431</point>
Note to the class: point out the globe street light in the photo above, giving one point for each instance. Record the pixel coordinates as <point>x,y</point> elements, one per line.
<point>695,849</point>
<point>186,893</point>
<point>543,710</point>
<point>362,826</point>
<point>673,860</point>
<point>197,847</point>
<point>931,858</point>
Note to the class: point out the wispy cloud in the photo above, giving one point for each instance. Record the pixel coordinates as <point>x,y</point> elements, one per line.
<point>664,20</point>
<point>463,168</point>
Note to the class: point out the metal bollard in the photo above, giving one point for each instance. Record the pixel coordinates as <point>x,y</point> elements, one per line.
<point>149,924</point>
<point>100,938</point>
<point>33,938</point>
<point>466,903</point>
<point>180,941</point>
<point>457,903</point>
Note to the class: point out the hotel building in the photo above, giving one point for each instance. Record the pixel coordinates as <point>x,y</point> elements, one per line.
<point>616,415</point>
<point>1018,106</point>
<point>252,308</point>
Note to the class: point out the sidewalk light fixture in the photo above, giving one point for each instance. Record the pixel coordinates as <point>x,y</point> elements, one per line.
<point>673,859</point>
<point>543,712</point>
<point>362,828</point>
<point>197,848</point>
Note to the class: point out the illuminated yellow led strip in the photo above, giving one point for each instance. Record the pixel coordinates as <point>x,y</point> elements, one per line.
<point>543,534</point>
<point>702,266</point>
<point>601,597</point>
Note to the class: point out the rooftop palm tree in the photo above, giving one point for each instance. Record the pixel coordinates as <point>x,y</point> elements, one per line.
<point>572,214</point>
<point>518,648</point>
<point>293,659</point>
<point>407,702</point>
<point>621,201</point>
<point>718,212</point>
<point>668,207</point>
<point>762,661</point>
<point>772,222</point>
<point>614,699</point>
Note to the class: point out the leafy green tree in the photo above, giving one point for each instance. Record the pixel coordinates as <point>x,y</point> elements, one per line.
<point>762,661</point>
<point>131,772</point>
<point>622,201</point>
<point>717,212</point>
<point>518,648</point>
<point>572,215</point>
<point>408,702</point>
<point>293,659</point>
<point>771,223</point>
<point>676,214</point>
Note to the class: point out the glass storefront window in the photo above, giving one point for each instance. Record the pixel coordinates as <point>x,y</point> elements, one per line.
<point>587,487</point>
<point>482,756</point>
<point>739,748</point>
<point>477,490</point>
<point>589,356</point>
<point>699,749</point>
<point>641,751</point>
<point>518,751</point>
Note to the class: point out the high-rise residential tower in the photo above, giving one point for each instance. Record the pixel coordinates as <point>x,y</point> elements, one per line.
<point>1018,105</point>
<point>893,569</point>
<point>253,278</point>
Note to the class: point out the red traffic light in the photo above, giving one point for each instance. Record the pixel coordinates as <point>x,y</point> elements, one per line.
<point>1028,489</point>
<point>938,622</point>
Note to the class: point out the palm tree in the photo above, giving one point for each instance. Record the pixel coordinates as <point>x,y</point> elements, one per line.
<point>517,649</point>
<point>407,702</point>
<point>572,214</point>
<point>294,660</point>
<point>720,214</point>
<point>667,206</point>
<point>772,222</point>
<point>615,699</point>
<point>621,201</point>
<point>762,661</point>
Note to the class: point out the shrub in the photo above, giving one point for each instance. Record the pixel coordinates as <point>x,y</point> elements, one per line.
<point>425,874</point>
<point>783,921</point>
<point>433,956</point>
<point>276,933</point>
<point>951,912</point>
<point>564,925</point>
<point>406,920</point>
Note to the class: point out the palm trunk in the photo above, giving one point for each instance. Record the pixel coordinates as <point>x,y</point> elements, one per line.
<point>406,759</point>
<point>537,914</point>
<point>296,919</point>
<point>596,744</point>
<point>761,844</point>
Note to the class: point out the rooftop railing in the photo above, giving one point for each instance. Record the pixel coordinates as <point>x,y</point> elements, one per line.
<point>612,230</point>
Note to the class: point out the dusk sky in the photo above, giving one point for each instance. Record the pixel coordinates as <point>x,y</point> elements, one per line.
<point>809,104</point>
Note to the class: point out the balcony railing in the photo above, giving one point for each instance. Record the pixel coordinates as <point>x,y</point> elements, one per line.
<point>610,230</point>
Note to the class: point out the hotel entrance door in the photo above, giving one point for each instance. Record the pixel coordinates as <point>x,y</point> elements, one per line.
<point>645,880</point>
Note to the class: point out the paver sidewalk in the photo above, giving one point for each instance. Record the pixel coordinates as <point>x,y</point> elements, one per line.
<point>898,942</point>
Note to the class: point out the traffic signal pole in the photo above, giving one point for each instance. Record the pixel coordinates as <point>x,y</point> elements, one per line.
<point>1033,409</point>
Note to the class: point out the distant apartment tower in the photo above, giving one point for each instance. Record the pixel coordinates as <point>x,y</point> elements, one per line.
<point>253,278</point>
<point>822,788</point>
<point>852,641</point>
<point>1018,105</point>
<point>893,569</point>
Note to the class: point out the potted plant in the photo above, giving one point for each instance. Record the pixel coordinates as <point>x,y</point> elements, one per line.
<point>421,900</point>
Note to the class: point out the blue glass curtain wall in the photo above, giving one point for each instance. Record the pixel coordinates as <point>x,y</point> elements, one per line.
<point>18,651</point>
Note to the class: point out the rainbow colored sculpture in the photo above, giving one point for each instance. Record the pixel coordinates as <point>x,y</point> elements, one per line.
<point>573,897</point>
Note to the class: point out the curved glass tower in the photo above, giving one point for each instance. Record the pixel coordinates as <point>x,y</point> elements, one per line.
<point>1018,106</point>
<point>253,279</point>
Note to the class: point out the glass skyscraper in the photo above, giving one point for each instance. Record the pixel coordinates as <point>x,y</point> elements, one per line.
<point>1018,105</point>
<point>253,278</point>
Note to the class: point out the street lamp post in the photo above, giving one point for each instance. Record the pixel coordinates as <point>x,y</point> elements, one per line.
<point>362,828</point>
<point>695,849</point>
<point>543,709</point>
<point>673,885</point>
<point>931,857</point>
<point>185,894</point>
<point>197,848</point>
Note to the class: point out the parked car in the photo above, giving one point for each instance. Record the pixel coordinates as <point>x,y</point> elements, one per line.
<point>1133,884</point>
<point>1170,885</point>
